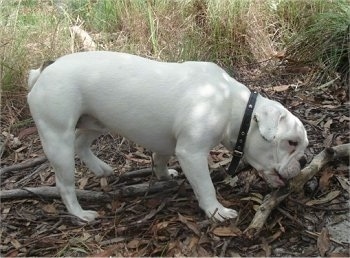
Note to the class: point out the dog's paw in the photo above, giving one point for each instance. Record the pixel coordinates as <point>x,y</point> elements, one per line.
<point>173,173</point>
<point>87,215</point>
<point>167,174</point>
<point>102,169</point>
<point>220,213</point>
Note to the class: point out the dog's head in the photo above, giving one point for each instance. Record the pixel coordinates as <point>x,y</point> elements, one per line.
<point>276,144</point>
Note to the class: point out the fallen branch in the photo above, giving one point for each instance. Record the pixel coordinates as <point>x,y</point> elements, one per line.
<point>318,162</point>
<point>143,172</point>
<point>50,192</point>
<point>39,160</point>
<point>271,201</point>
<point>23,165</point>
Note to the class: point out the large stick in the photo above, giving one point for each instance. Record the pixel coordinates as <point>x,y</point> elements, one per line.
<point>51,192</point>
<point>272,200</point>
<point>23,165</point>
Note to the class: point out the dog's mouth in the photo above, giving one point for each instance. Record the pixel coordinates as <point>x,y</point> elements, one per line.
<point>279,180</point>
<point>273,178</point>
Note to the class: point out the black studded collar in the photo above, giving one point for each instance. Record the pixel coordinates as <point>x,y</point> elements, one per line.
<point>238,151</point>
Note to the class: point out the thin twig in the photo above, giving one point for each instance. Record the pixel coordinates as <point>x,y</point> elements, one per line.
<point>289,216</point>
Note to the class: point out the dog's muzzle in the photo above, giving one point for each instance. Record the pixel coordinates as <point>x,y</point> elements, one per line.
<point>280,178</point>
<point>292,169</point>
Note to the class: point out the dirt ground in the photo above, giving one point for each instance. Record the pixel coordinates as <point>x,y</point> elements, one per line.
<point>169,222</point>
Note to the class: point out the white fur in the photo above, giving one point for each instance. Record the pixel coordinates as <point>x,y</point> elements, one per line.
<point>170,108</point>
<point>33,77</point>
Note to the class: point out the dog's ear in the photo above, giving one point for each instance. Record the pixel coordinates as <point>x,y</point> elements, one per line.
<point>268,119</point>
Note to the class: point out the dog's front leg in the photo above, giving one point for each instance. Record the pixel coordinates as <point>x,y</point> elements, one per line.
<point>195,166</point>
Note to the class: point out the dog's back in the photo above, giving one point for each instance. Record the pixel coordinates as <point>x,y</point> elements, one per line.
<point>114,87</point>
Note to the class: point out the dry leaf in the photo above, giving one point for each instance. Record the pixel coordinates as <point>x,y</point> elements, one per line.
<point>323,242</point>
<point>344,118</point>
<point>256,207</point>
<point>27,131</point>
<point>103,182</point>
<point>134,243</point>
<point>280,54</point>
<point>161,225</point>
<point>330,196</point>
<point>345,183</point>
<point>280,88</point>
<point>50,208</point>
<point>324,180</point>
<point>227,231</point>
<point>266,247</point>
<point>16,244</point>
<point>193,242</point>
<point>5,212</point>
<point>153,203</point>
<point>344,254</point>
<point>82,182</point>
<point>258,195</point>
<point>191,225</point>
<point>12,253</point>
<point>202,252</point>
<point>111,251</point>
<point>328,142</point>
<point>252,198</point>
<point>330,106</point>
<point>232,181</point>
<point>328,124</point>
<point>221,163</point>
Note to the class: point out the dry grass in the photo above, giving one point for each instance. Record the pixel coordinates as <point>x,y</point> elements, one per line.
<point>260,31</point>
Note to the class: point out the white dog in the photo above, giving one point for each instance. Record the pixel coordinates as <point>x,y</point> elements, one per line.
<point>170,108</point>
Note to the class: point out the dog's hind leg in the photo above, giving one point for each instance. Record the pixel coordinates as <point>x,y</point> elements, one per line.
<point>88,130</point>
<point>59,149</point>
<point>160,167</point>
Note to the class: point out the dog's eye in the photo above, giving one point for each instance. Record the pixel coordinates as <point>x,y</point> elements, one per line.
<point>293,143</point>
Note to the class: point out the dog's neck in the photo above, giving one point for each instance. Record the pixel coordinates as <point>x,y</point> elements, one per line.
<point>230,137</point>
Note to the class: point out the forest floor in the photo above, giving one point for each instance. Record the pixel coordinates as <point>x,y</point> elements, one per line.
<point>169,222</point>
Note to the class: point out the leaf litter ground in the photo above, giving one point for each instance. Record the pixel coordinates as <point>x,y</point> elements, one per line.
<point>169,222</point>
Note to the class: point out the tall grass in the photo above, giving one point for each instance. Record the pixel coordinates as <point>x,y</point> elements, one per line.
<point>228,32</point>
<point>29,32</point>
<point>325,42</point>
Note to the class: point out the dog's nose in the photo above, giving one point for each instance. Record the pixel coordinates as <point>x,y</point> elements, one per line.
<point>302,162</point>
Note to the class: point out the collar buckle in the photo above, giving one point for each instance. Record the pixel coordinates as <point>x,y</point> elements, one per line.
<point>238,153</point>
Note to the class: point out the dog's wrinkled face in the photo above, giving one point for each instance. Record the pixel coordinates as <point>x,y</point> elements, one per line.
<point>276,144</point>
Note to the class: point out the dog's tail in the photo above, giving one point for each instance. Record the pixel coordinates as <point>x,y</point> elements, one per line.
<point>34,74</point>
